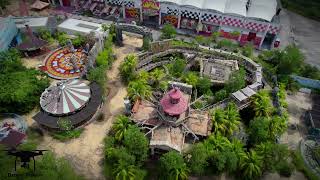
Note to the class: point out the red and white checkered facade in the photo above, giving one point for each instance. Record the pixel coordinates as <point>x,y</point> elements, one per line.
<point>231,21</point>
<point>255,26</point>
<point>274,29</point>
<point>211,18</point>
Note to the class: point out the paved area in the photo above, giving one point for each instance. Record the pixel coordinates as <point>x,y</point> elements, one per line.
<point>304,33</point>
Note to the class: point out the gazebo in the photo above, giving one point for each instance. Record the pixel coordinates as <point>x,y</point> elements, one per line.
<point>170,120</point>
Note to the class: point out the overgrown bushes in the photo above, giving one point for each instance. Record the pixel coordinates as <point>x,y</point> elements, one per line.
<point>20,87</point>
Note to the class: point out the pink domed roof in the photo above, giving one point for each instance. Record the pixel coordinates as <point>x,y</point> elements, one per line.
<point>174,108</point>
<point>175,93</point>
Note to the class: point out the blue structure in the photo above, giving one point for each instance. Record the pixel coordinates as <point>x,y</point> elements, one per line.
<point>8,31</point>
<point>307,82</point>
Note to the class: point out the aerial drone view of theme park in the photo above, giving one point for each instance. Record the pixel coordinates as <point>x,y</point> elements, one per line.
<point>168,89</point>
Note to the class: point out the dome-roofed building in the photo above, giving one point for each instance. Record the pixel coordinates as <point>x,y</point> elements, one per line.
<point>73,99</point>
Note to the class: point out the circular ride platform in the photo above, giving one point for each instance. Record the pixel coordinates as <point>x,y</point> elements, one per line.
<point>58,64</point>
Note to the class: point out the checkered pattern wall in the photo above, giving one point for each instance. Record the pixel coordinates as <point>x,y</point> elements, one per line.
<point>234,22</point>
<point>256,26</point>
<point>211,18</point>
<point>115,2</point>
<point>273,29</point>
<point>172,11</point>
<point>190,14</point>
<point>129,4</point>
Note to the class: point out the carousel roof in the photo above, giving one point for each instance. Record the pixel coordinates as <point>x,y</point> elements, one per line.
<point>173,103</point>
<point>66,97</point>
<point>39,5</point>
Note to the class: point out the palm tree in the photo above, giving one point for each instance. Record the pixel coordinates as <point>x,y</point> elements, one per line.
<point>180,173</point>
<point>157,75</point>
<point>251,164</point>
<point>219,121</point>
<point>262,104</point>
<point>124,171</point>
<point>217,142</point>
<point>277,126</point>
<point>139,89</point>
<point>232,118</point>
<point>120,126</point>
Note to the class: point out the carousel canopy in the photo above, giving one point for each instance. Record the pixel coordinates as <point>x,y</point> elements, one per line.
<point>66,97</point>
<point>39,5</point>
<point>173,103</point>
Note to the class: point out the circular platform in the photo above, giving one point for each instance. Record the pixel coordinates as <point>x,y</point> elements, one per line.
<point>59,63</point>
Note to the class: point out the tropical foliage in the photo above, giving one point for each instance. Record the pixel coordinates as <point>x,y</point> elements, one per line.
<point>127,68</point>
<point>262,104</point>
<point>139,89</point>
<point>225,122</point>
<point>20,87</point>
<point>173,167</point>
<point>251,165</point>
<point>121,126</point>
<point>168,32</point>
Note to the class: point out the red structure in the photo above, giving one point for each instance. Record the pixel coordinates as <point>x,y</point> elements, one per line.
<point>173,103</point>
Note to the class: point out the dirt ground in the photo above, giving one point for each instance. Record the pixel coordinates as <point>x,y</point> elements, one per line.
<point>297,105</point>
<point>86,152</point>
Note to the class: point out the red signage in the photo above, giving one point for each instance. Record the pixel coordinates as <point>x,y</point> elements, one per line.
<point>150,7</point>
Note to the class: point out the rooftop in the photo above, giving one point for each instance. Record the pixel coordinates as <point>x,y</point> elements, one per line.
<point>75,25</point>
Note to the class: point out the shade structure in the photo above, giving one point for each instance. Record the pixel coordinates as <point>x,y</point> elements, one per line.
<point>173,103</point>
<point>32,44</point>
<point>66,97</point>
<point>39,5</point>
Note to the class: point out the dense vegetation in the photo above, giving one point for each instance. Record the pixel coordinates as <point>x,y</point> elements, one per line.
<point>309,9</point>
<point>126,150</point>
<point>20,87</point>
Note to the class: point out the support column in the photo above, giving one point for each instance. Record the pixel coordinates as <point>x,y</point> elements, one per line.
<point>179,20</point>
<point>160,17</point>
<point>61,3</point>
<point>141,15</point>
<point>124,11</point>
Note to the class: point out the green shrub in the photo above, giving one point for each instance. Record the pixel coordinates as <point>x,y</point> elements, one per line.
<point>20,87</point>
<point>80,40</point>
<point>67,135</point>
<point>168,32</point>
<point>177,67</point>
<point>299,163</point>
<point>127,67</point>
<point>285,169</point>
<point>45,34</point>
<point>98,75</point>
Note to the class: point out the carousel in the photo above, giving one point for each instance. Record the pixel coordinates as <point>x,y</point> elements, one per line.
<point>74,99</point>
<point>12,130</point>
<point>169,121</point>
<point>66,62</point>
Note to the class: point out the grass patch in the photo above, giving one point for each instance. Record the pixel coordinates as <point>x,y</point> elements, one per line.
<point>67,135</point>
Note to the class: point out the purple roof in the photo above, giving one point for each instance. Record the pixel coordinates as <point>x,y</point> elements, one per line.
<point>13,139</point>
<point>173,103</point>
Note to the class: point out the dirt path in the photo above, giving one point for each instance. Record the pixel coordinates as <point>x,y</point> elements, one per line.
<point>86,152</point>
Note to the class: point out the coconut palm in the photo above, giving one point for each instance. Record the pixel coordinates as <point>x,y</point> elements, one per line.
<point>251,165</point>
<point>262,104</point>
<point>120,126</point>
<point>277,126</point>
<point>191,78</point>
<point>139,89</point>
<point>124,171</point>
<point>233,118</point>
<point>219,121</point>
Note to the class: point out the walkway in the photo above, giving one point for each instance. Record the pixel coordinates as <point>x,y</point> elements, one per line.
<point>86,152</point>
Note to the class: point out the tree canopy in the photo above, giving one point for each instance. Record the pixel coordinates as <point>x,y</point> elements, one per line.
<point>20,87</point>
